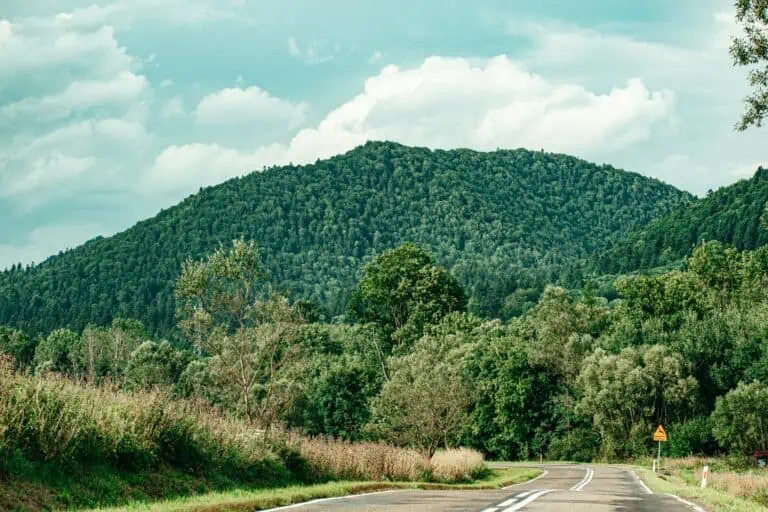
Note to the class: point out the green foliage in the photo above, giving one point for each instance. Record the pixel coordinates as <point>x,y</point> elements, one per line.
<point>154,364</point>
<point>513,412</point>
<point>627,394</point>
<point>740,419</point>
<point>751,50</point>
<point>732,215</point>
<point>402,291</point>
<point>53,351</point>
<point>18,345</point>
<point>692,437</point>
<point>499,222</point>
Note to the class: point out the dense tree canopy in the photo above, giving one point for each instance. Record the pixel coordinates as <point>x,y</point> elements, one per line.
<point>735,215</point>
<point>751,50</point>
<point>504,224</point>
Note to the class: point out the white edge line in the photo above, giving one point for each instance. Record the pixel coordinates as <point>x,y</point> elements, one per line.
<point>526,493</point>
<point>324,500</point>
<point>692,506</point>
<point>528,500</point>
<point>507,503</point>
<point>492,509</point>
<point>642,484</point>
<point>527,481</point>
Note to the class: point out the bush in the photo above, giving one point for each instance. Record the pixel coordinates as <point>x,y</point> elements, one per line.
<point>457,465</point>
<point>578,445</point>
<point>694,437</point>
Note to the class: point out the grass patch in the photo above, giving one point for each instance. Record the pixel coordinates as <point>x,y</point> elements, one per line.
<point>243,500</point>
<point>715,500</point>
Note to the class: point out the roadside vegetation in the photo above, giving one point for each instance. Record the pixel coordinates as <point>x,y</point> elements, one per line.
<point>733,484</point>
<point>257,392</point>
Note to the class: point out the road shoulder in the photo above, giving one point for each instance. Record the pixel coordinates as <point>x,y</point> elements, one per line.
<point>709,499</point>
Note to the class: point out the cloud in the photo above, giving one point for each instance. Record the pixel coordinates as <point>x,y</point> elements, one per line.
<point>376,57</point>
<point>186,167</point>
<point>313,54</point>
<point>445,103</point>
<point>124,13</point>
<point>43,241</point>
<point>121,90</point>
<point>238,106</point>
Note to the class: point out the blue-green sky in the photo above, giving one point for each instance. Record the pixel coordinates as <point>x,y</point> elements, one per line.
<point>112,111</point>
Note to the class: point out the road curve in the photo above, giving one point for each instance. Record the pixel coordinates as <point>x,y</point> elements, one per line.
<point>576,488</point>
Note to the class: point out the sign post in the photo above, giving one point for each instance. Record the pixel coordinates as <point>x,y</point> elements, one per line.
<point>661,436</point>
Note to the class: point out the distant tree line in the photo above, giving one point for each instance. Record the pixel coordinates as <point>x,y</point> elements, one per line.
<point>575,377</point>
<point>505,224</point>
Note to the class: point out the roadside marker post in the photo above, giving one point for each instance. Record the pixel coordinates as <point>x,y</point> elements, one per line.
<point>661,436</point>
<point>704,476</point>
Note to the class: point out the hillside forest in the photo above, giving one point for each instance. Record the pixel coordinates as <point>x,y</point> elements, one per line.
<point>575,377</point>
<point>504,223</point>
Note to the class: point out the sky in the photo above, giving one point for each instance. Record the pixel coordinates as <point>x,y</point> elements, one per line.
<point>110,112</point>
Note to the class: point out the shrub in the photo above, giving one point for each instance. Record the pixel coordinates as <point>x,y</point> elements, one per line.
<point>694,437</point>
<point>457,465</point>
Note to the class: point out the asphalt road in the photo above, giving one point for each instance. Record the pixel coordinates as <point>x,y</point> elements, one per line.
<point>577,488</point>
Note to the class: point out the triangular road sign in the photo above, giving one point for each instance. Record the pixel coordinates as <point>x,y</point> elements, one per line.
<point>660,434</point>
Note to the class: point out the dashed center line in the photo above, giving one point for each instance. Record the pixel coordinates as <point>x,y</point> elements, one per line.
<point>519,501</point>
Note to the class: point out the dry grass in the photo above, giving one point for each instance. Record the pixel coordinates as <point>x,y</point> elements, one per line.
<point>751,485</point>
<point>458,465</point>
<point>728,475</point>
<point>342,460</point>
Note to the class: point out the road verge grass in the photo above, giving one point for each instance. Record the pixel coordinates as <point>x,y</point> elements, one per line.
<point>244,500</point>
<point>711,499</point>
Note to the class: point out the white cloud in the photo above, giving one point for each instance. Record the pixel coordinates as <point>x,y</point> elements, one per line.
<point>27,49</point>
<point>313,54</point>
<point>495,104</point>
<point>48,171</point>
<point>186,167</point>
<point>445,102</point>
<point>376,57</point>
<point>121,90</point>
<point>238,106</point>
<point>46,240</point>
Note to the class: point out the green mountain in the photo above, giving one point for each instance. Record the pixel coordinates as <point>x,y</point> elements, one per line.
<point>731,215</point>
<point>500,221</point>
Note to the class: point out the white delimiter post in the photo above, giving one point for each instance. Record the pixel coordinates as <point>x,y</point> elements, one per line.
<point>704,475</point>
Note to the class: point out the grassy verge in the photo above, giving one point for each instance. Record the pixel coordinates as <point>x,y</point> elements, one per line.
<point>241,501</point>
<point>712,499</point>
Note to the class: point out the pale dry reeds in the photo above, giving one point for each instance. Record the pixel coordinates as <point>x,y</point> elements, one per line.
<point>344,460</point>
<point>52,419</point>
<point>457,465</point>
<point>750,485</point>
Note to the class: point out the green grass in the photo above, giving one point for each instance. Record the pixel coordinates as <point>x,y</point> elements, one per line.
<point>248,500</point>
<point>711,499</point>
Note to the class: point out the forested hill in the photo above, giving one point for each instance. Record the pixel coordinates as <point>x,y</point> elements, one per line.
<point>487,216</point>
<point>731,215</point>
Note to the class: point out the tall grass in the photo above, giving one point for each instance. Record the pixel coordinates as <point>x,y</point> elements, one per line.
<point>341,460</point>
<point>457,465</point>
<point>52,420</point>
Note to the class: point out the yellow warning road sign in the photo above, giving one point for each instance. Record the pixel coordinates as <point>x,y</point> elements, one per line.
<point>660,434</point>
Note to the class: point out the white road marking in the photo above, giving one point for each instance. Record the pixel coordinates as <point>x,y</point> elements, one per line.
<point>492,509</point>
<point>687,503</point>
<point>508,502</point>
<point>527,481</point>
<point>524,494</point>
<point>642,484</point>
<point>584,481</point>
<point>528,500</point>
<point>324,500</point>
